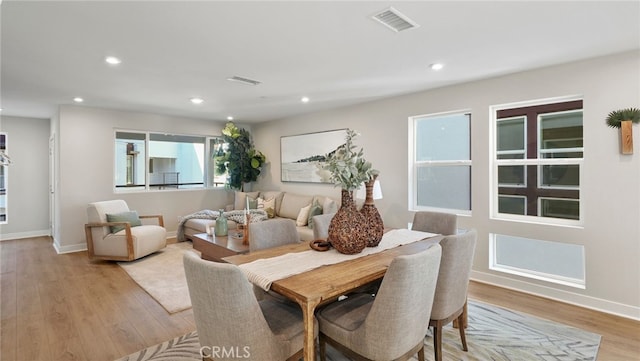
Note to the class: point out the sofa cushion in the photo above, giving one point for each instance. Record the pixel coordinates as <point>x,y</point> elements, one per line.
<point>329,206</point>
<point>292,203</point>
<point>241,199</point>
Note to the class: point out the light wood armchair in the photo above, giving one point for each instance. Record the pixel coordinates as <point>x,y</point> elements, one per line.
<point>127,244</point>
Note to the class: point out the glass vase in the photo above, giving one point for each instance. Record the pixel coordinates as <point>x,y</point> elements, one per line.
<point>221,228</point>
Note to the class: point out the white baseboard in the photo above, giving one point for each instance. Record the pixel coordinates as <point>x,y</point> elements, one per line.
<point>20,235</point>
<point>83,246</point>
<point>593,303</point>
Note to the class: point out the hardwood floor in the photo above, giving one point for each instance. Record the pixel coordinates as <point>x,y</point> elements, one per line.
<point>63,307</point>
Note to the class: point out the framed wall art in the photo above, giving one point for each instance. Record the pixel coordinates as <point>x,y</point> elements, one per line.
<point>302,156</point>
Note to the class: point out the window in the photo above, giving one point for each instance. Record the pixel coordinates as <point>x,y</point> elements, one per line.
<point>440,162</point>
<point>549,261</point>
<point>155,161</point>
<point>537,163</point>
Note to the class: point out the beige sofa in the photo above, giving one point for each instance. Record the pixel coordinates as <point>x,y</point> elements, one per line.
<point>277,204</point>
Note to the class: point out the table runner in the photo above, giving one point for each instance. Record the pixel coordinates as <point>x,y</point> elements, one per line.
<point>263,272</point>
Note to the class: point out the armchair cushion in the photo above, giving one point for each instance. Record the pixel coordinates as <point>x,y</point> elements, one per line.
<point>130,216</point>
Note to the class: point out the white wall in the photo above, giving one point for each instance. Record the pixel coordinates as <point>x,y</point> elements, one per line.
<point>610,192</point>
<point>85,170</point>
<point>28,180</point>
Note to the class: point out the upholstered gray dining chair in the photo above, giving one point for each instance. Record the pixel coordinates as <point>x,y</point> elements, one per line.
<point>391,325</point>
<point>227,314</point>
<point>321,225</point>
<point>435,222</point>
<point>451,290</point>
<point>272,233</point>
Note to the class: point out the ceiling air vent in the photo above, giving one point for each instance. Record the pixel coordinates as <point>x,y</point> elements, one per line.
<point>395,20</point>
<point>242,80</point>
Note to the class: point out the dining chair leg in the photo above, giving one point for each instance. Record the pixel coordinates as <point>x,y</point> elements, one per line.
<point>461,329</point>
<point>421,353</point>
<point>437,341</point>
<point>322,345</point>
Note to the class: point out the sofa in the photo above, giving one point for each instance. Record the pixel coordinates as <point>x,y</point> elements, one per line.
<point>277,204</point>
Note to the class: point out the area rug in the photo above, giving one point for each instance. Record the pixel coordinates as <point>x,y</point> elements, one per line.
<point>161,275</point>
<point>494,333</point>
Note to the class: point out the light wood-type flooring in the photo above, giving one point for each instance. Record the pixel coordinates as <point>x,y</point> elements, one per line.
<point>64,307</point>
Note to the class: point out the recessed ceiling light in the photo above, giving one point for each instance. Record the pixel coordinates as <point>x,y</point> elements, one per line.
<point>78,100</point>
<point>305,99</point>
<point>436,66</point>
<point>197,100</point>
<point>229,118</point>
<point>112,60</point>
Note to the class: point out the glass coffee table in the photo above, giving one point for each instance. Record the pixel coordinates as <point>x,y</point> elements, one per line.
<point>214,248</point>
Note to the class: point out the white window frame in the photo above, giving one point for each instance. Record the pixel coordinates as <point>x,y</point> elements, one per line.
<point>537,275</point>
<point>414,165</point>
<point>207,183</point>
<point>495,163</point>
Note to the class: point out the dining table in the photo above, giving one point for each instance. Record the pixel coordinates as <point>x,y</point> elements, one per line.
<point>312,278</point>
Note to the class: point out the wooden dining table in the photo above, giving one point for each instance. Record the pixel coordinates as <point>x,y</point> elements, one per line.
<point>325,284</point>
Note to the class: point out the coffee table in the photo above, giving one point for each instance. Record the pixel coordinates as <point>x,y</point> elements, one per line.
<point>213,248</point>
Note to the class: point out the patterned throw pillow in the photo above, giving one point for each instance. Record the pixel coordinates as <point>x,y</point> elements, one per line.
<point>131,217</point>
<point>269,206</point>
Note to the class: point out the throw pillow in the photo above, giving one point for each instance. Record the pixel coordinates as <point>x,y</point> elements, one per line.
<point>269,206</point>
<point>253,203</point>
<point>131,217</point>
<point>303,216</point>
<point>315,210</point>
<point>241,199</point>
<point>329,206</point>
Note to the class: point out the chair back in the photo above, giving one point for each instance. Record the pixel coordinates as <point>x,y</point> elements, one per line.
<point>435,222</point>
<point>321,225</point>
<point>97,212</point>
<point>453,277</point>
<point>397,320</point>
<point>272,233</point>
<point>225,309</point>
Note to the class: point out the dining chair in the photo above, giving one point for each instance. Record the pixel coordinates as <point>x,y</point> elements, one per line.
<point>391,325</point>
<point>451,289</point>
<point>435,222</point>
<point>229,317</point>
<point>272,233</point>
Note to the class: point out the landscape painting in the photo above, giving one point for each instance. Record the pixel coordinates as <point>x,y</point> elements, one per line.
<point>302,156</point>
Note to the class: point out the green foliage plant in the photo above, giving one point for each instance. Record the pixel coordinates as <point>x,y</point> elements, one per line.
<point>615,118</point>
<point>347,165</point>
<point>239,158</point>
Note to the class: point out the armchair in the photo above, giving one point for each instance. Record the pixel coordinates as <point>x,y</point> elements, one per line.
<point>118,240</point>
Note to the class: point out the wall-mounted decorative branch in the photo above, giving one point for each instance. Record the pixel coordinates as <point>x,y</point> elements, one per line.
<point>623,119</point>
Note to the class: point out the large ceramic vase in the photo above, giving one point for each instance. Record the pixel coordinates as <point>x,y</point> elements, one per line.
<point>374,228</point>
<point>347,230</point>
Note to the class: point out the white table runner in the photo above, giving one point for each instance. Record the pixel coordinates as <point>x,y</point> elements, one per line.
<point>263,272</point>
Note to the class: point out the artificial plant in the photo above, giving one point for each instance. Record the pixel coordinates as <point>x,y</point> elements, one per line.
<point>238,157</point>
<point>616,117</point>
<point>347,166</point>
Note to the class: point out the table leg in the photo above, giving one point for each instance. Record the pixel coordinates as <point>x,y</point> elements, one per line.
<point>308,309</point>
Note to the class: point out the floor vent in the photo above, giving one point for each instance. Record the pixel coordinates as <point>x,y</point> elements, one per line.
<point>395,20</point>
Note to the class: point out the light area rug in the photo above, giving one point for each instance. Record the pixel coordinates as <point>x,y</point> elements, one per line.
<point>494,333</point>
<point>161,275</point>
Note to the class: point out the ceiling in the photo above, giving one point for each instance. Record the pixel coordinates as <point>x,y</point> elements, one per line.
<point>332,52</point>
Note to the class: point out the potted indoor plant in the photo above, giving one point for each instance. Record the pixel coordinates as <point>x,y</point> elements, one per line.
<point>238,157</point>
<point>349,170</point>
<point>623,119</point>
